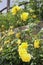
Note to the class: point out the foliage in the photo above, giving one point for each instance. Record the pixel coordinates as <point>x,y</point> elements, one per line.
<point>9,53</point>
<point>38,6</point>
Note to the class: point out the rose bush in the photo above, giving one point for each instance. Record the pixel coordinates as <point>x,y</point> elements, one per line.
<point>17,46</point>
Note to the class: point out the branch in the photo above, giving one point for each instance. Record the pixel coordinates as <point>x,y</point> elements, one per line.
<point>3,9</point>
<point>18,5</point>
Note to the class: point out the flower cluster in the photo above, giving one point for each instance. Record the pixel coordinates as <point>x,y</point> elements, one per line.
<point>24,55</point>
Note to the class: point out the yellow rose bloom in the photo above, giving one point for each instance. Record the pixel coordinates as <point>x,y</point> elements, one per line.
<point>36,44</point>
<point>24,45</point>
<point>26,57</point>
<point>22,48</point>
<point>24,16</point>
<point>11,32</point>
<point>18,35</point>
<point>18,41</point>
<point>15,9</point>
<point>22,51</point>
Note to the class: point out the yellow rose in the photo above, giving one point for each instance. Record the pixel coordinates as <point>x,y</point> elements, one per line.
<point>26,57</point>
<point>15,9</point>
<point>18,35</point>
<point>36,44</point>
<point>24,45</point>
<point>22,51</point>
<point>24,16</point>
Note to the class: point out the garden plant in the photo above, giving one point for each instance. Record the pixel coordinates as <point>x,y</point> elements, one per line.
<point>21,36</point>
